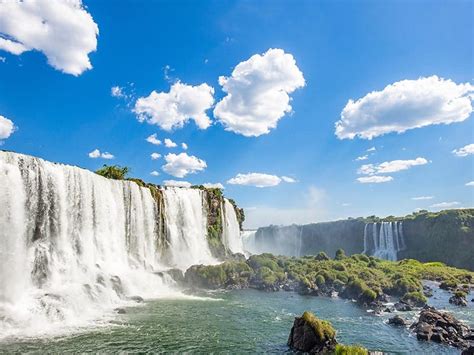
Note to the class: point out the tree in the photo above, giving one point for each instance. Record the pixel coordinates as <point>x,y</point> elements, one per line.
<point>113,172</point>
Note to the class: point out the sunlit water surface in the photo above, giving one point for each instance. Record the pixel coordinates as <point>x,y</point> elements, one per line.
<point>236,322</point>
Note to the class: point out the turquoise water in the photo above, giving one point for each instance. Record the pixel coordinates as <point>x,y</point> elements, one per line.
<point>244,321</point>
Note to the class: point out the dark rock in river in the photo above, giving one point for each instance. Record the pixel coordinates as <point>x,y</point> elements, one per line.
<point>312,335</point>
<point>468,351</point>
<point>397,321</point>
<point>402,307</point>
<point>442,327</point>
<point>458,299</point>
<point>120,310</point>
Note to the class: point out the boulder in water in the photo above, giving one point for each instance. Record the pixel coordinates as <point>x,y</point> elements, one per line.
<point>458,299</point>
<point>120,310</point>
<point>442,327</point>
<point>397,321</point>
<point>312,335</point>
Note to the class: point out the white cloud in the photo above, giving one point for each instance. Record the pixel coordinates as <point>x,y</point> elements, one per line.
<point>174,108</point>
<point>153,140</point>
<point>258,93</point>
<point>180,165</point>
<point>445,204</point>
<point>169,143</point>
<point>155,173</point>
<point>210,185</point>
<point>371,149</point>
<point>374,179</point>
<point>405,105</point>
<point>422,198</point>
<point>97,154</point>
<point>255,179</point>
<point>363,157</point>
<point>62,30</point>
<point>175,183</point>
<point>464,151</point>
<point>155,156</point>
<point>6,127</point>
<point>184,146</point>
<point>345,204</point>
<point>117,91</point>
<point>470,183</point>
<point>390,166</point>
<point>288,179</point>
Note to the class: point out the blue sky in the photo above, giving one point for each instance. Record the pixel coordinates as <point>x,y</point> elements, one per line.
<point>344,49</point>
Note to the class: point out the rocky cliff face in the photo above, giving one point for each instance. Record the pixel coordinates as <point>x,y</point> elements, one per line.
<point>446,236</point>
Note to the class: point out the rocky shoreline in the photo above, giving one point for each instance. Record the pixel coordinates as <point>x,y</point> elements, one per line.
<point>376,285</point>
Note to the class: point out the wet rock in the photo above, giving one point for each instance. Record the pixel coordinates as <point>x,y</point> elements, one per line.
<point>137,299</point>
<point>397,321</point>
<point>458,299</point>
<point>427,291</point>
<point>402,307</point>
<point>312,335</point>
<point>441,327</point>
<point>468,351</point>
<point>120,310</point>
<point>176,274</point>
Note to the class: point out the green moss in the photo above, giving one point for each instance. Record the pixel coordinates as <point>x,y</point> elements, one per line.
<point>460,294</point>
<point>323,329</point>
<point>320,280</point>
<point>416,298</point>
<point>322,256</point>
<point>350,350</point>
<point>340,254</point>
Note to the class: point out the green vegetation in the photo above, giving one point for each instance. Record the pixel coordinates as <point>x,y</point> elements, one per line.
<point>350,350</point>
<point>323,329</point>
<point>417,298</point>
<point>115,172</point>
<point>357,277</point>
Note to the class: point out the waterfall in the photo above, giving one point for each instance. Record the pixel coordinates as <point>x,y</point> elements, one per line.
<point>387,240</point>
<point>75,245</point>
<point>186,224</point>
<point>231,231</point>
<point>249,242</point>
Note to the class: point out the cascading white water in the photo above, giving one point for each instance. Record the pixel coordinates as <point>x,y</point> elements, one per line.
<point>74,245</point>
<point>249,242</point>
<point>231,231</point>
<point>186,224</point>
<point>387,240</point>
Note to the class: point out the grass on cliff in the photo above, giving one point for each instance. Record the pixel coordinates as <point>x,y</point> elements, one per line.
<point>350,350</point>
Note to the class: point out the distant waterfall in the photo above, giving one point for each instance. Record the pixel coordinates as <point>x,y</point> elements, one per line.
<point>231,231</point>
<point>74,244</point>
<point>384,240</point>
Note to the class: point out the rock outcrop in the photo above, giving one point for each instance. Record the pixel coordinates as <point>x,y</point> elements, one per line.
<point>312,335</point>
<point>441,327</point>
<point>397,321</point>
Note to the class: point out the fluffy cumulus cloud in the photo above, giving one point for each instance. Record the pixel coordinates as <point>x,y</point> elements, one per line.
<point>155,156</point>
<point>210,185</point>
<point>177,183</point>
<point>96,153</point>
<point>390,166</point>
<point>180,165</point>
<point>169,143</point>
<point>255,179</point>
<point>258,93</point>
<point>464,151</point>
<point>173,109</point>
<point>6,127</point>
<point>422,198</point>
<point>153,140</point>
<point>470,183</point>
<point>117,91</point>
<point>405,105</point>
<point>445,205</point>
<point>374,179</point>
<point>184,146</point>
<point>155,173</point>
<point>61,29</point>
